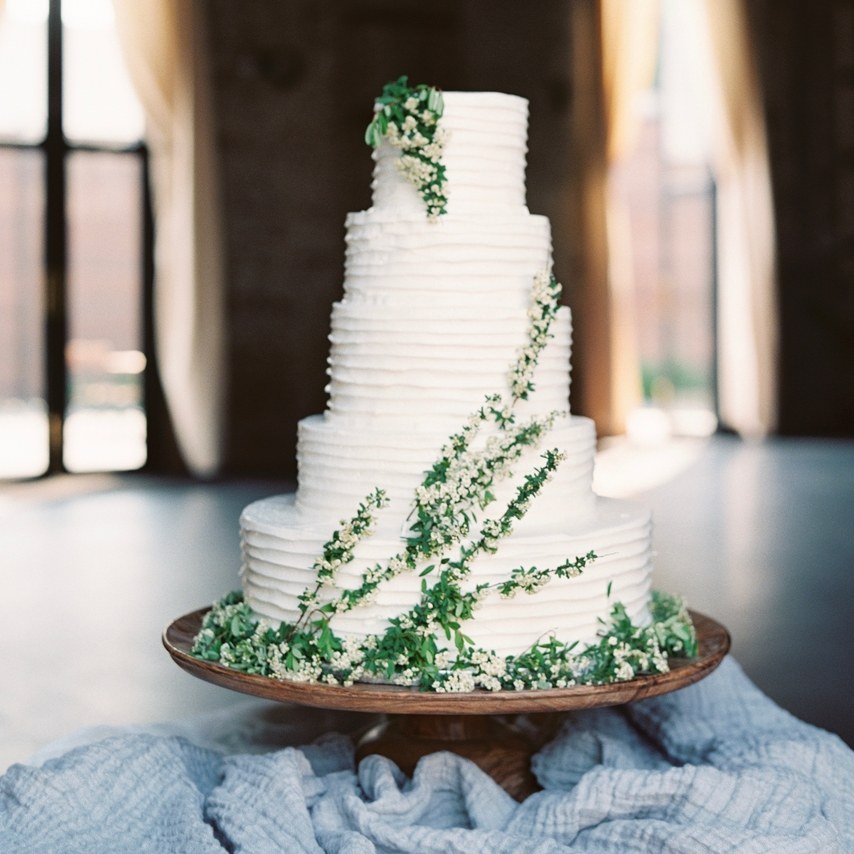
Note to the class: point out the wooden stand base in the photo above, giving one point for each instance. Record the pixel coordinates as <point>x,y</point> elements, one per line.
<point>495,746</point>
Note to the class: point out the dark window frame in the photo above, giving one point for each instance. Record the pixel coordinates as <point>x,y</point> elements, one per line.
<point>55,150</point>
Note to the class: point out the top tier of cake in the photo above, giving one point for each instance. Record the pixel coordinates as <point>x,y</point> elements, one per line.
<point>484,157</point>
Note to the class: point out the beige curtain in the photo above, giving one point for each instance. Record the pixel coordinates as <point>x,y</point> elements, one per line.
<point>614,50</point>
<point>166,53</point>
<point>747,307</point>
<point>591,327</point>
<point>629,50</point>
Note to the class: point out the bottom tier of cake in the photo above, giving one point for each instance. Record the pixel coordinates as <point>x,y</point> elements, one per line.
<point>280,545</point>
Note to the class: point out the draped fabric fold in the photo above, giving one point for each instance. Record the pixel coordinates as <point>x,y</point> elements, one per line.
<point>167,57</point>
<point>747,304</point>
<point>614,49</point>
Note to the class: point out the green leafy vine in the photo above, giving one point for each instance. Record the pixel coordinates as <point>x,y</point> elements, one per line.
<point>407,118</point>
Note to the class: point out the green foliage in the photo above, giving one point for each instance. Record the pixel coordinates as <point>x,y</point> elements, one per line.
<point>407,118</point>
<point>231,635</point>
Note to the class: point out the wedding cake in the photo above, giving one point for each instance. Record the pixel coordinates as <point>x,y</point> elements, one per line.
<point>441,282</point>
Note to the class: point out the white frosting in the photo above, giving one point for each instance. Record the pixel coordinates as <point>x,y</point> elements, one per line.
<point>390,361</point>
<point>280,546</point>
<point>484,260</point>
<point>432,317</point>
<point>484,157</point>
<point>341,460</point>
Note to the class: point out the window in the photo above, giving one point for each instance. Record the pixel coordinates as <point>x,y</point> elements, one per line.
<point>72,243</point>
<point>666,187</point>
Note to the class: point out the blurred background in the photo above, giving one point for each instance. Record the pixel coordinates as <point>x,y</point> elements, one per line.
<point>695,160</point>
<point>174,178</point>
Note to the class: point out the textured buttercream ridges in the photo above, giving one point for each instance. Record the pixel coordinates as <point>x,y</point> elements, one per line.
<point>341,461</point>
<point>396,360</point>
<point>481,260</point>
<point>484,155</point>
<point>278,551</point>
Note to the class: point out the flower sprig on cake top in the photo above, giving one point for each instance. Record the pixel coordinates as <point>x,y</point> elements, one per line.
<point>407,118</point>
<point>444,539</point>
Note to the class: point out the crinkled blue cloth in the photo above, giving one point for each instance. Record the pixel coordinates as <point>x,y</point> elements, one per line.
<point>713,767</point>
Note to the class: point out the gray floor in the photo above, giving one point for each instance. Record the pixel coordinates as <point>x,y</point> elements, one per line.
<point>759,536</point>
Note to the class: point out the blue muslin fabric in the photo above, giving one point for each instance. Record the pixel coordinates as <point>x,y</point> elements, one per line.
<point>715,767</point>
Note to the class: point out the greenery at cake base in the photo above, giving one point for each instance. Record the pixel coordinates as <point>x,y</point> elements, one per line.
<point>233,636</point>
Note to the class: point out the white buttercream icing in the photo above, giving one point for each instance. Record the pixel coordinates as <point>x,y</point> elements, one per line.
<point>484,157</point>
<point>340,462</point>
<point>386,360</point>
<point>280,546</point>
<point>457,260</point>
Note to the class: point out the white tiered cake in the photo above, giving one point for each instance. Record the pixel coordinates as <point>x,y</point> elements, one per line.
<point>432,317</point>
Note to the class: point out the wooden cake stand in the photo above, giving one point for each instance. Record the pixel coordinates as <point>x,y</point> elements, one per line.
<point>418,723</point>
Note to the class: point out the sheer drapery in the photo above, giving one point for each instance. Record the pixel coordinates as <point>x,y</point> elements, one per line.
<point>166,54</point>
<point>614,49</point>
<point>747,305</point>
<point>629,50</point>
<point>620,39</point>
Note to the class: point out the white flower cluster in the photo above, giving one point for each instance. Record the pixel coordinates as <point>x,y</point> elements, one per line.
<point>456,682</point>
<point>308,670</point>
<point>417,171</point>
<point>627,661</point>
<point>421,142</point>
<point>339,550</point>
<point>407,137</point>
<point>527,580</point>
<point>348,661</point>
<point>406,677</point>
<point>490,669</point>
<point>545,294</point>
<point>492,530</point>
<point>443,660</point>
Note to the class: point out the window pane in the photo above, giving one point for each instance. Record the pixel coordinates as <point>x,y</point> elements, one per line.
<point>23,70</point>
<point>105,422</point>
<point>662,206</point>
<point>100,104</point>
<point>23,411</point>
